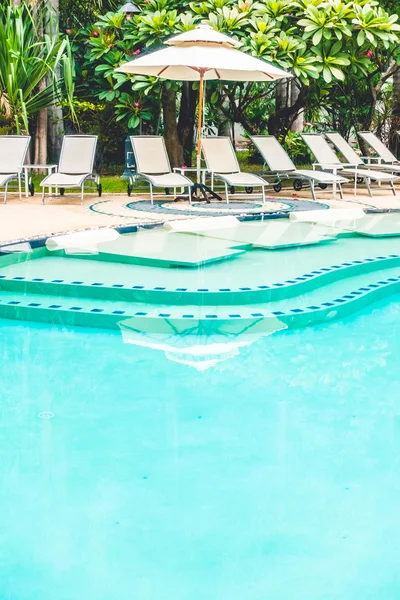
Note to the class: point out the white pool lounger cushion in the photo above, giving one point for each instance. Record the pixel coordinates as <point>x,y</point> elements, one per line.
<point>201,224</point>
<point>270,234</point>
<point>384,225</point>
<point>83,242</point>
<point>331,215</point>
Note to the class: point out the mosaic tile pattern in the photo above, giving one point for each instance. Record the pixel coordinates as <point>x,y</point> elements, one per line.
<point>282,285</point>
<point>176,314</point>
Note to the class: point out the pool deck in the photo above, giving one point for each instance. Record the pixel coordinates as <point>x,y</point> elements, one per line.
<point>29,219</point>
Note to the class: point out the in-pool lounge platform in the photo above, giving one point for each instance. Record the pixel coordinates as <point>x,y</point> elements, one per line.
<point>167,249</point>
<point>241,281</point>
<point>160,248</point>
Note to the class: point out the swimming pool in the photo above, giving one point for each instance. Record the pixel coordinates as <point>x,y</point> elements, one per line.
<point>273,476</point>
<point>269,470</point>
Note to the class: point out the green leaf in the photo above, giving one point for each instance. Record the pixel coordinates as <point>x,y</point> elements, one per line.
<point>133,122</point>
<point>214,97</point>
<point>327,75</point>
<point>336,48</point>
<point>337,73</point>
<point>317,37</point>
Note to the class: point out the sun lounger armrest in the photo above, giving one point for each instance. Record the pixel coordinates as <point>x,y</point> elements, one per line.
<point>371,158</point>
<point>327,166</point>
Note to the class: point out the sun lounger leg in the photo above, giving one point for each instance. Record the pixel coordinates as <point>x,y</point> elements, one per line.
<point>190,194</point>
<point>393,188</point>
<point>312,186</point>
<point>340,191</point>
<point>367,183</point>
<point>5,193</point>
<point>151,194</point>
<point>263,194</point>
<point>226,193</point>
<point>19,186</point>
<point>43,195</point>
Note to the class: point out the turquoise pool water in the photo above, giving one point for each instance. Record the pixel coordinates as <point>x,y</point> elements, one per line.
<point>256,267</point>
<point>271,476</point>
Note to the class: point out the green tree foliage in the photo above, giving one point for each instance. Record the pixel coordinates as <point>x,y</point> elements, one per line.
<point>79,13</point>
<point>27,58</point>
<point>321,42</point>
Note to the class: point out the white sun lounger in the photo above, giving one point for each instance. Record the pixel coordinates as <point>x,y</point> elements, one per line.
<point>384,158</point>
<point>352,157</point>
<point>13,149</point>
<point>328,160</point>
<point>221,161</point>
<point>281,165</point>
<point>75,167</point>
<point>152,165</point>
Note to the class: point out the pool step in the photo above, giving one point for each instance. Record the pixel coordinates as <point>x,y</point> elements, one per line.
<point>123,292</point>
<point>324,304</point>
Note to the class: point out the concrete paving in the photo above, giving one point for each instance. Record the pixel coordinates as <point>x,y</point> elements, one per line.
<point>28,218</point>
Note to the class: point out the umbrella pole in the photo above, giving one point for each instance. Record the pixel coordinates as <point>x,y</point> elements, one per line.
<point>199,189</point>
<point>199,128</point>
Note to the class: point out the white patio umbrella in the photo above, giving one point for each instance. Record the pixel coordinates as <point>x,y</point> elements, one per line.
<point>203,54</point>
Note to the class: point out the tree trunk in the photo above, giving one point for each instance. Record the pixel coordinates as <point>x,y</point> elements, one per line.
<point>224,124</point>
<point>41,133</point>
<point>56,131</point>
<point>394,138</point>
<point>279,122</point>
<point>41,117</point>
<point>236,115</point>
<point>55,113</point>
<point>297,124</point>
<point>282,94</point>
<point>174,147</point>
<point>186,121</point>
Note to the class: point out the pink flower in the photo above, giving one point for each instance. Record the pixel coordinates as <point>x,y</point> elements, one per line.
<point>369,53</point>
<point>95,34</point>
<point>137,52</point>
<point>136,104</point>
<point>183,167</point>
<point>68,31</point>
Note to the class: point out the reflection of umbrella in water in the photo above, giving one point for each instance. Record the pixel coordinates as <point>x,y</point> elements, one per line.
<point>201,344</point>
<point>198,55</point>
